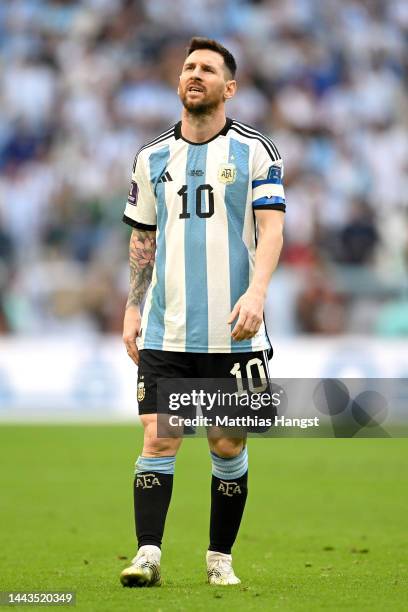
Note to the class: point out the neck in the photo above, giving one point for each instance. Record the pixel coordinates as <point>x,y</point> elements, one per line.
<point>200,128</point>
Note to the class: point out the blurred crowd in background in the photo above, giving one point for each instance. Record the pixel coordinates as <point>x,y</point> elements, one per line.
<point>83,84</point>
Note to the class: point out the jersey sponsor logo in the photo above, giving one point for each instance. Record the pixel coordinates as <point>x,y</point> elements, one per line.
<point>147,481</point>
<point>141,392</point>
<point>165,178</point>
<point>132,197</point>
<point>227,173</point>
<point>229,488</point>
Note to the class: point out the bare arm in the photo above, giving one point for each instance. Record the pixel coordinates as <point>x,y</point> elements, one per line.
<point>142,249</point>
<point>249,308</point>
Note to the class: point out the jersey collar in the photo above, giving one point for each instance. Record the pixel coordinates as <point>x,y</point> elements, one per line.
<point>223,132</point>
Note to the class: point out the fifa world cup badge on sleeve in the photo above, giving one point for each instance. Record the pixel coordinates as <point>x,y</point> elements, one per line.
<point>132,197</point>
<point>227,173</point>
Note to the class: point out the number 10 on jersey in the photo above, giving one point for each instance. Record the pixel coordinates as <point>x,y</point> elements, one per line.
<point>199,201</point>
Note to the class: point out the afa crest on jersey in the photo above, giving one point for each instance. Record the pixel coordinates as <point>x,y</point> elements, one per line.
<point>227,173</point>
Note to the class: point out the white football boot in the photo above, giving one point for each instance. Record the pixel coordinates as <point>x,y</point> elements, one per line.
<point>145,568</point>
<point>219,569</point>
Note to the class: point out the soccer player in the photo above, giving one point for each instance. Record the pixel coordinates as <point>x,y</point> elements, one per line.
<point>206,206</point>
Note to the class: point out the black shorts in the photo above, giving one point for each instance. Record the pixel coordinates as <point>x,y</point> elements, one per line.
<point>155,365</point>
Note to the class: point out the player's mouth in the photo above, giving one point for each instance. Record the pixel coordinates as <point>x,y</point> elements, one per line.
<point>195,89</point>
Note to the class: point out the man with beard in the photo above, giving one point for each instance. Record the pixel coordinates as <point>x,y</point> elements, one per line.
<point>206,206</point>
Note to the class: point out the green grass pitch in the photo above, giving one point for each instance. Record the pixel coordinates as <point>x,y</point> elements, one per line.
<point>325,526</point>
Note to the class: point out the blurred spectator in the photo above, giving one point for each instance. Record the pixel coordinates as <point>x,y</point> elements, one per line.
<point>84,83</point>
<point>320,308</point>
<point>359,237</point>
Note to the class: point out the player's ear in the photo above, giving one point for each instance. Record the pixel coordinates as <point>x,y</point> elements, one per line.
<point>230,89</point>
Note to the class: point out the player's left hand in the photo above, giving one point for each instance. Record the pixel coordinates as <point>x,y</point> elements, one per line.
<point>249,310</point>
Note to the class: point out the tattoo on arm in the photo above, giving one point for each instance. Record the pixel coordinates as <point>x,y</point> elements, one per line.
<point>142,251</point>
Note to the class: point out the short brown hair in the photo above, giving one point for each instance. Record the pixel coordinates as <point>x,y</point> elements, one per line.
<point>198,42</point>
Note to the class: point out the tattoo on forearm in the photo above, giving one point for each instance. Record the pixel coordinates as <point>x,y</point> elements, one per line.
<point>142,250</point>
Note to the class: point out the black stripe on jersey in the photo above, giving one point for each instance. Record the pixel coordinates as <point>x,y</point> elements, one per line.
<point>164,136</point>
<point>137,225</point>
<point>266,145</point>
<point>281,207</point>
<point>252,130</point>
<point>266,142</point>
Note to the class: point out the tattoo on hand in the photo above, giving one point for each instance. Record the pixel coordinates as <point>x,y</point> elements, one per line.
<point>142,251</point>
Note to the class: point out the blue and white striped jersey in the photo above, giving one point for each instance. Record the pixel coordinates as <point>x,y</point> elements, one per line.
<point>201,199</point>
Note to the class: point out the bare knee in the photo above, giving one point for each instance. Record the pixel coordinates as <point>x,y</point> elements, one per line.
<point>226,447</point>
<point>159,447</point>
<point>153,445</point>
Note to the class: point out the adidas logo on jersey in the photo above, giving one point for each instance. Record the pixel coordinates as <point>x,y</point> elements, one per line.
<point>165,178</point>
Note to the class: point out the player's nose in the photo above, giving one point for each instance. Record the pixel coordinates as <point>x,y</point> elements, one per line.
<point>197,73</point>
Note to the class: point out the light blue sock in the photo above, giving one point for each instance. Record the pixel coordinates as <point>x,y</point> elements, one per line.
<point>161,465</point>
<point>231,468</point>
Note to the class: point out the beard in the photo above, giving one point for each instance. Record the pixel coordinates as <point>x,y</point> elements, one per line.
<point>199,109</point>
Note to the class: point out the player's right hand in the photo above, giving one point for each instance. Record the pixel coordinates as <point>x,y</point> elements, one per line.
<point>131,330</point>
